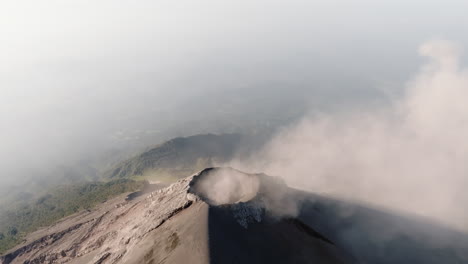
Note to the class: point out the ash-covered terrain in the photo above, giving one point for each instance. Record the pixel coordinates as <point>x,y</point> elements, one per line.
<point>222,215</point>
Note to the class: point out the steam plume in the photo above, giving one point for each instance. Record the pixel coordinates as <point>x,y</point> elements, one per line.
<point>411,155</point>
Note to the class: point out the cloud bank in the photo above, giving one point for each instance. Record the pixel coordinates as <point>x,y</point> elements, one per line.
<point>410,155</point>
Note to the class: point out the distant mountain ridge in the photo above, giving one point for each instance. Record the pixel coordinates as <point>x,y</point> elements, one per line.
<point>183,156</point>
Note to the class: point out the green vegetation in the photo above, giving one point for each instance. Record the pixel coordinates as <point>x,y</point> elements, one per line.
<point>18,219</point>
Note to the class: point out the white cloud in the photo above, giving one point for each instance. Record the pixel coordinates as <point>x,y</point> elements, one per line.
<point>411,155</point>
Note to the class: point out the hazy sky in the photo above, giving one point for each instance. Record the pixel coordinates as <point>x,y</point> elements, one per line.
<point>77,76</point>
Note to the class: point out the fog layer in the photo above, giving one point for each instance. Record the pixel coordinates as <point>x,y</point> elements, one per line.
<point>84,80</point>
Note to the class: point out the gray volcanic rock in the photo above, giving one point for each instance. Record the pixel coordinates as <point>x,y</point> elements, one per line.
<point>178,224</point>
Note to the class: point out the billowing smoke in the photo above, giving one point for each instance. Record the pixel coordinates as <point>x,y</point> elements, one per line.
<point>410,155</point>
<point>227,186</point>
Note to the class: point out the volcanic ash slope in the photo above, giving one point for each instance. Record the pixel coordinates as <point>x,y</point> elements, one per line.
<point>219,215</point>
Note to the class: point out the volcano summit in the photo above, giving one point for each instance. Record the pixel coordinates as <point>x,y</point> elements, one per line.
<point>222,215</point>
<point>216,216</point>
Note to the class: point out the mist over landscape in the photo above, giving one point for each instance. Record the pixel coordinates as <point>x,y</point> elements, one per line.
<point>361,102</point>
<point>81,77</point>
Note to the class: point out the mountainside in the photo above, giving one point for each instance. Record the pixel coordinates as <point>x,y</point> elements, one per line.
<point>21,216</point>
<point>183,156</point>
<point>178,223</point>
<point>222,215</point>
<point>39,203</point>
